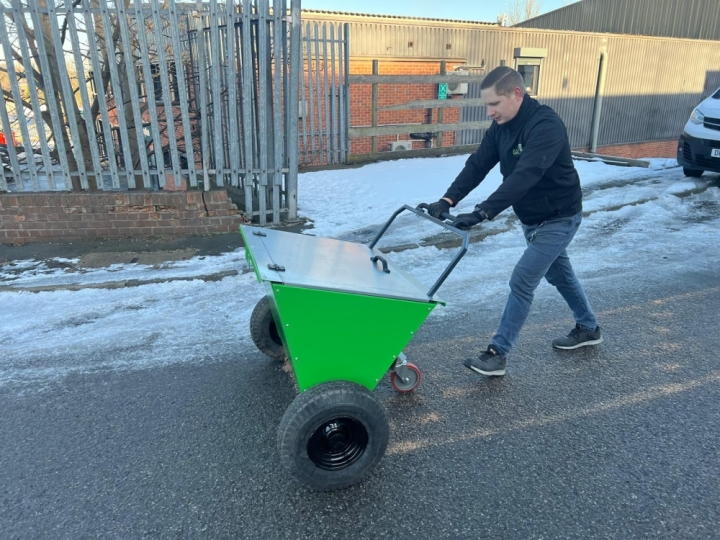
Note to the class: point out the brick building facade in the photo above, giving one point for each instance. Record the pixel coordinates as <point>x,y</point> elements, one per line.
<point>395,94</point>
<point>652,83</point>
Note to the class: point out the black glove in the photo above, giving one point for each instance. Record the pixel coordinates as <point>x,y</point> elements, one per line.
<point>465,221</point>
<point>437,208</point>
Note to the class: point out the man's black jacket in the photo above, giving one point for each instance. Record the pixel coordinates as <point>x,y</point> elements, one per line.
<point>539,179</point>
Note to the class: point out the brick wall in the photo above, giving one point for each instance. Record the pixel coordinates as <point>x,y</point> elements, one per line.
<point>395,94</point>
<point>53,216</point>
<point>650,149</point>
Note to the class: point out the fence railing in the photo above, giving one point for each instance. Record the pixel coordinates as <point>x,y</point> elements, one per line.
<point>130,94</point>
<point>435,129</point>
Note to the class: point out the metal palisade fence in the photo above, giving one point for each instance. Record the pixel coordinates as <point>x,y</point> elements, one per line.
<point>130,94</point>
<point>324,94</point>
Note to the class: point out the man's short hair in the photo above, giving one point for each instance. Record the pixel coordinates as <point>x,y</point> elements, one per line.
<point>504,79</point>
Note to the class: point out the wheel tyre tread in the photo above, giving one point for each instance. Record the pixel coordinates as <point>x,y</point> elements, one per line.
<point>260,320</point>
<point>313,402</point>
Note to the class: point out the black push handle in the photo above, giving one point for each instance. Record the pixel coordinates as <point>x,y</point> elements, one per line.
<point>382,259</point>
<point>420,212</point>
<point>444,216</point>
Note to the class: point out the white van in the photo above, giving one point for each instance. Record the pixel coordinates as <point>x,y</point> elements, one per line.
<point>699,147</point>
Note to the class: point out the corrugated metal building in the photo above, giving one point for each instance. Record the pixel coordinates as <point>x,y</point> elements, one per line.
<point>652,83</point>
<point>692,19</point>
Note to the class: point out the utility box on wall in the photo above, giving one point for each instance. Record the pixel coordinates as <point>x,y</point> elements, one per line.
<point>396,146</point>
<point>455,89</point>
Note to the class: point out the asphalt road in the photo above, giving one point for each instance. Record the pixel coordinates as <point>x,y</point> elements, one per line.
<point>618,441</point>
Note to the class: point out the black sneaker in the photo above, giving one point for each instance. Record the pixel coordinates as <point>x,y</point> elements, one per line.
<point>579,337</point>
<point>490,363</point>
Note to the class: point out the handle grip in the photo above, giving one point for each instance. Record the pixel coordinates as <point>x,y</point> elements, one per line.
<point>419,211</point>
<point>444,216</point>
<point>376,258</point>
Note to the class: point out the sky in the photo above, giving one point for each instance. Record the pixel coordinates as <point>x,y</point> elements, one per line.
<point>474,10</point>
<point>636,219</point>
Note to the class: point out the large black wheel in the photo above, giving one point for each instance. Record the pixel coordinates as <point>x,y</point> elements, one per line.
<point>263,331</point>
<point>332,435</point>
<point>695,173</point>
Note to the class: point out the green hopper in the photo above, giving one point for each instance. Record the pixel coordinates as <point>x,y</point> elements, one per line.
<point>341,313</point>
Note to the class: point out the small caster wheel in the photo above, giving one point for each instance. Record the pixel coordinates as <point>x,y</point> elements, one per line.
<point>407,380</point>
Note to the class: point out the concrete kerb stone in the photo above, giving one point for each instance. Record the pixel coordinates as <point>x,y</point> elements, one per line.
<point>122,284</point>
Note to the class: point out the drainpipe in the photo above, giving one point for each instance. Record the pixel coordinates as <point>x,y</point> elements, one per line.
<point>598,100</point>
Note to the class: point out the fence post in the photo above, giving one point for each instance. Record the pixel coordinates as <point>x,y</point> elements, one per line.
<point>293,135</point>
<point>333,97</point>
<point>100,96</point>
<point>181,74</point>
<point>170,127</point>
<point>342,83</point>
<point>149,93</point>
<point>346,39</point>
<point>375,71</point>
<point>232,82</point>
<point>262,96</point>
<point>247,111</point>
<point>202,76</point>
<point>132,86</point>
<point>277,84</point>
<point>215,64</point>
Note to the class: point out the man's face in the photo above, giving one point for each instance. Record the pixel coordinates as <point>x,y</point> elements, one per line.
<point>502,109</point>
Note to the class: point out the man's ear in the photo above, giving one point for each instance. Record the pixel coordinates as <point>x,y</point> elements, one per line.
<point>518,92</point>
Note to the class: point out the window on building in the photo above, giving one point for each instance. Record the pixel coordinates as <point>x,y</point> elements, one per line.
<point>155,89</point>
<point>529,69</point>
<point>528,62</point>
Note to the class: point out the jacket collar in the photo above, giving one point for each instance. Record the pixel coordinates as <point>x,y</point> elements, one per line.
<point>527,108</point>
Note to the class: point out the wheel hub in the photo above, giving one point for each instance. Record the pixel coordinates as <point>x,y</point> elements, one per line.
<point>337,443</point>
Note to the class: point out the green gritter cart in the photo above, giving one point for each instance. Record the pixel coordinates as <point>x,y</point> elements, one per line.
<point>341,313</point>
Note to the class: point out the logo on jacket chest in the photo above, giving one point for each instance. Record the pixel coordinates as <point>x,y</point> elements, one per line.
<point>518,150</point>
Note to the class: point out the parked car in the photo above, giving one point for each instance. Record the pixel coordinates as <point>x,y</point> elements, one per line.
<point>699,147</point>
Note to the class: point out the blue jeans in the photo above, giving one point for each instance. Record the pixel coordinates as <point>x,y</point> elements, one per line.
<point>545,256</point>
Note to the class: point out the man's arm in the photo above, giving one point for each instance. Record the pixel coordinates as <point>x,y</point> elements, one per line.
<point>544,144</point>
<point>476,168</point>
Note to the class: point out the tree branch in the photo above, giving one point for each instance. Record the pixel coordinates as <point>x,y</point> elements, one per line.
<point>75,4</point>
<point>9,97</point>
<point>36,74</point>
<point>28,32</point>
<point>521,10</point>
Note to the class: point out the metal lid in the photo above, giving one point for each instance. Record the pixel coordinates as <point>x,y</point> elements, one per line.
<point>323,263</point>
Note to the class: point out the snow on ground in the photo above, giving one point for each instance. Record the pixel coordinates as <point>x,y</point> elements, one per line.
<point>638,221</point>
<point>53,334</point>
<point>342,200</point>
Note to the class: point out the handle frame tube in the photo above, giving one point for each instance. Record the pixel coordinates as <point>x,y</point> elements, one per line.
<point>464,235</point>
